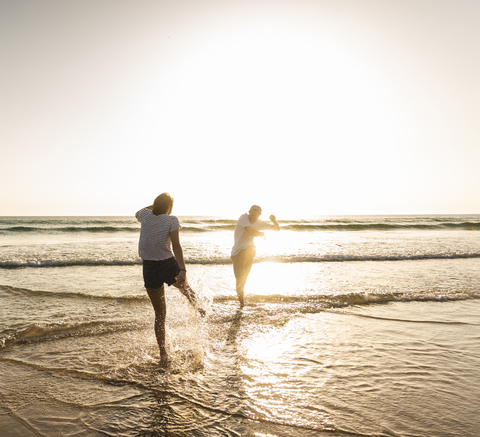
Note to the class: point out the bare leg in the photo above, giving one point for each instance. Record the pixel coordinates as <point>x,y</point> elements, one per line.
<point>246,261</point>
<point>187,291</point>
<point>240,289</point>
<point>157,297</point>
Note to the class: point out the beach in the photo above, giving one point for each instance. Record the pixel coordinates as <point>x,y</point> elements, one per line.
<point>353,326</point>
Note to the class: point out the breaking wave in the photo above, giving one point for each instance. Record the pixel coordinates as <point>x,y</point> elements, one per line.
<point>12,264</point>
<point>101,225</point>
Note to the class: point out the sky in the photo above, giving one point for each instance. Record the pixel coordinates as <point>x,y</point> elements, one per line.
<point>306,107</point>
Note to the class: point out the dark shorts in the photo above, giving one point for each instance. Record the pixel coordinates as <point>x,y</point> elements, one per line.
<point>157,273</point>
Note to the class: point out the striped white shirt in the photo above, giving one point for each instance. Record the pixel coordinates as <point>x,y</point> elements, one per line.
<point>155,243</point>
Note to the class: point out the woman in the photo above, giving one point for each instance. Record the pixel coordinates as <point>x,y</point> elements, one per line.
<point>158,235</point>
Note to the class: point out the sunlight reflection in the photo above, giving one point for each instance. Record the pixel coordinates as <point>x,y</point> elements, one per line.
<point>268,347</point>
<point>268,278</point>
<point>302,245</point>
<point>277,361</point>
<point>275,243</point>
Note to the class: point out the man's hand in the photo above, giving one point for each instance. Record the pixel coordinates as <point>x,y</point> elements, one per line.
<point>275,226</point>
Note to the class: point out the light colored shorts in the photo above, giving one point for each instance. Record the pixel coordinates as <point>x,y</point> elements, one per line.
<point>240,258</point>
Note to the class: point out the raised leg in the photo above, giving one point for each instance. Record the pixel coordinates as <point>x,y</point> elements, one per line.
<point>188,292</point>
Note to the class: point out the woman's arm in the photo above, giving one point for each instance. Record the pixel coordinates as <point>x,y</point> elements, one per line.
<point>178,252</point>
<point>181,283</point>
<point>147,207</point>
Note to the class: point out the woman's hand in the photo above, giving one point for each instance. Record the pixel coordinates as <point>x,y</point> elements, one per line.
<point>181,278</point>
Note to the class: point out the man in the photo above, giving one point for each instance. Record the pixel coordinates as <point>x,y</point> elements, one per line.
<point>248,227</point>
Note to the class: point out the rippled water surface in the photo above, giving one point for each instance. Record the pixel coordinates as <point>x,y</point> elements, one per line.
<point>353,326</point>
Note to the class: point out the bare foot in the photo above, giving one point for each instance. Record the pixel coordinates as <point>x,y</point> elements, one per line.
<point>240,298</point>
<point>163,357</point>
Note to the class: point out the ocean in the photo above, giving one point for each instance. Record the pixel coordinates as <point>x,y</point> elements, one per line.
<point>353,326</point>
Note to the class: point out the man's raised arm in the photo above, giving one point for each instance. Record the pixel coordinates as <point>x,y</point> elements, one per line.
<point>275,226</point>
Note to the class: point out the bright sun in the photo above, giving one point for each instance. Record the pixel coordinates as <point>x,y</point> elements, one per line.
<point>291,107</point>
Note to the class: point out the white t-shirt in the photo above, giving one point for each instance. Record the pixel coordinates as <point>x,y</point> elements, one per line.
<point>242,238</point>
<point>155,243</point>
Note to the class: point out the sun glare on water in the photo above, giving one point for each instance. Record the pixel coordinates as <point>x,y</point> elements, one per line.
<point>267,278</point>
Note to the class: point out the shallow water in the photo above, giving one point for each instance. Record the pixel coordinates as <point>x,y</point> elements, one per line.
<point>375,345</point>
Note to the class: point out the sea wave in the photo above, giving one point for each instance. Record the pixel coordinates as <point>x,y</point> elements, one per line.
<point>12,264</point>
<point>66,263</point>
<point>27,293</point>
<point>330,300</point>
<point>195,225</point>
<point>277,304</point>
<point>38,333</point>
<point>324,302</point>
<point>69,229</point>
<point>309,227</point>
